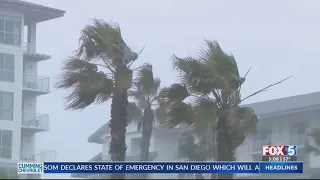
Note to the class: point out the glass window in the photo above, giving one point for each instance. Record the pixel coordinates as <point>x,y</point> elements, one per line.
<point>9,38</point>
<point>7,100</point>
<point>3,170</point>
<point>9,24</point>
<point>6,153</point>
<point>1,23</point>
<point>9,62</point>
<point>6,144</point>
<point>13,173</point>
<point>0,138</point>
<point>10,30</point>
<point>6,67</point>
<point>1,60</point>
<point>7,76</point>
<point>1,37</point>
<point>7,114</point>
<point>6,138</point>
<point>6,106</point>
<point>17,40</point>
<point>17,26</point>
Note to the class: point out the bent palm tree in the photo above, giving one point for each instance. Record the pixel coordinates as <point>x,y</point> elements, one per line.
<point>213,82</point>
<point>99,71</point>
<point>145,92</point>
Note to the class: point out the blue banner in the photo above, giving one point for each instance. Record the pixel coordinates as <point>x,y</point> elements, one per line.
<point>173,167</point>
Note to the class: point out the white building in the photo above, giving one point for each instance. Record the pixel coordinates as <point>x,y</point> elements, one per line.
<point>284,121</point>
<point>19,82</point>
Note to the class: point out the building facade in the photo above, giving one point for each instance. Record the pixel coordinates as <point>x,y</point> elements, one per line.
<point>20,84</point>
<point>285,121</point>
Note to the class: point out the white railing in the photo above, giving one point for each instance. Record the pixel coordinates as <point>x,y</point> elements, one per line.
<point>297,139</point>
<point>27,47</point>
<point>256,145</point>
<point>36,82</point>
<point>35,120</point>
<point>42,156</point>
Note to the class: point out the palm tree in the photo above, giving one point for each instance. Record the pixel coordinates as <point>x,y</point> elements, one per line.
<point>145,92</point>
<point>99,71</point>
<point>195,151</point>
<point>213,83</point>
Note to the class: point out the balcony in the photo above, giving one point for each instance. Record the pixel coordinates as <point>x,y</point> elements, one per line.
<point>297,139</point>
<point>35,122</point>
<point>256,145</point>
<point>36,84</point>
<point>42,156</point>
<point>31,55</point>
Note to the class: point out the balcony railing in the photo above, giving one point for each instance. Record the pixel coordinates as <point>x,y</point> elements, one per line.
<point>297,139</point>
<point>36,82</point>
<point>34,120</point>
<point>41,157</point>
<point>256,145</point>
<point>27,47</point>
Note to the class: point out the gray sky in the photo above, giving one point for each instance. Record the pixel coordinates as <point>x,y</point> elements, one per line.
<point>276,38</point>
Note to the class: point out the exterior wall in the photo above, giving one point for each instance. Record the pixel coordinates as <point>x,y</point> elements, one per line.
<point>281,127</point>
<point>281,134</point>
<point>23,140</point>
<point>15,87</point>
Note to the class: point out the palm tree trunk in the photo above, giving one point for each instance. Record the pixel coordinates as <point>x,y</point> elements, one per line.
<point>147,123</point>
<point>225,150</point>
<point>118,124</point>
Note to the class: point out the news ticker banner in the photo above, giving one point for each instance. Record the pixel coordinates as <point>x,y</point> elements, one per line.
<point>161,167</point>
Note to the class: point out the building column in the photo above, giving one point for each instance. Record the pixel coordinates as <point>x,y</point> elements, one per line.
<point>32,34</point>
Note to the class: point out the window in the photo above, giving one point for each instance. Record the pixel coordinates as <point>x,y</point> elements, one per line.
<point>6,106</point>
<point>5,144</point>
<point>8,172</point>
<point>6,67</point>
<point>10,30</point>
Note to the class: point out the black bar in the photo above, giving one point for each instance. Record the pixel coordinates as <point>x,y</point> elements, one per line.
<point>279,158</point>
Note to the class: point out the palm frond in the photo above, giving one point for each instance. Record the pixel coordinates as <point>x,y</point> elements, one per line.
<point>217,61</point>
<point>174,93</point>
<point>155,88</point>
<point>103,40</point>
<point>204,110</point>
<point>145,77</point>
<point>243,123</point>
<point>89,85</point>
<point>179,114</point>
<point>193,74</point>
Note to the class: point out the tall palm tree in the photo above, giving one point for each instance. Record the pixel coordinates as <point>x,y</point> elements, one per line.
<point>212,82</point>
<point>99,71</point>
<point>145,92</point>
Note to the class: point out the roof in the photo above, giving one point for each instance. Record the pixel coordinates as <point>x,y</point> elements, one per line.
<point>96,136</point>
<point>264,108</point>
<point>286,104</point>
<point>32,12</point>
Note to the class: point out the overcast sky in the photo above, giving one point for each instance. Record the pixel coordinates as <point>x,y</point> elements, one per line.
<point>276,38</point>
